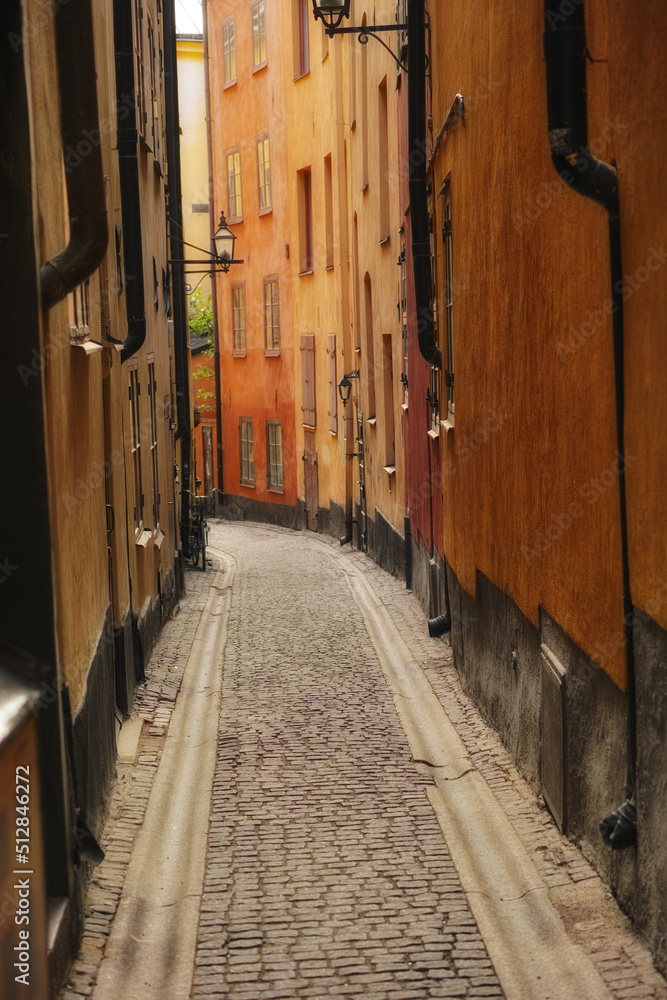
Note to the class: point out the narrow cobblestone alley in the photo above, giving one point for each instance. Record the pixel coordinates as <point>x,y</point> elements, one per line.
<point>327,873</point>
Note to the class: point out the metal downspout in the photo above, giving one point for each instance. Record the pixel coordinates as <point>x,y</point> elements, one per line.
<point>565,55</point>
<point>129,181</point>
<point>344,282</point>
<point>79,123</point>
<point>421,246</point>
<point>214,288</point>
<point>180,309</point>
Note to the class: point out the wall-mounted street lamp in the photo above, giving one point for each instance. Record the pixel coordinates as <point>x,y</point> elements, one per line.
<point>332,12</point>
<point>345,386</point>
<point>222,259</point>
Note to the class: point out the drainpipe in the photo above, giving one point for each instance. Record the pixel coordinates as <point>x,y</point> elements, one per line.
<point>565,55</point>
<point>180,309</point>
<point>214,288</point>
<point>421,246</point>
<point>129,180</point>
<point>344,281</point>
<point>79,124</point>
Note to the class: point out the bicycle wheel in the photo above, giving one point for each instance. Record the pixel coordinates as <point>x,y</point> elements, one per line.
<point>203,546</point>
<point>196,544</point>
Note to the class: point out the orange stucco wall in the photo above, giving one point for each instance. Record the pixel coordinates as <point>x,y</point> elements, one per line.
<point>256,385</point>
<point>530,488</point>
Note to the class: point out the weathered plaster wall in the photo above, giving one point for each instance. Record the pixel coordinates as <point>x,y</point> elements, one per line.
<point>255,385</point>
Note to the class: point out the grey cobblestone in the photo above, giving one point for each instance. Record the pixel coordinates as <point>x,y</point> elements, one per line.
<point>320,822</point>
<point>327,874</point>
<point>153,699</point>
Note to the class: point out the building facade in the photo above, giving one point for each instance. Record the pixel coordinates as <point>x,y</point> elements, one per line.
<point>485,260</point>
<point>254,300</point>
<point>93,364</point>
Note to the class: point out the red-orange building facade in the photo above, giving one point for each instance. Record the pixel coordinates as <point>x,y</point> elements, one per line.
<point>247,95</point>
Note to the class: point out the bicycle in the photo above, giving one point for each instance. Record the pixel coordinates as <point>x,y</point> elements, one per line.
<point>197,530</point>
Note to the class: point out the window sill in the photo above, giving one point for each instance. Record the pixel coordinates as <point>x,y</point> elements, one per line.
<point>404,406</point>
<point>301,76</point>
<point>266,211</point>
<point>275,489</point>
<point>273,352</point>
<point>259,66</point>
<point>230,83</point>
<point>433,434</point>
<point>372,421</point>
<point>158,538</point>
<point>142,537</point>
<point>364,189</point>
<point>353,126</point>
<point>329,267</point>
<point>304,274</point>
<point>234,220</point>
<point>248,486</point>
<point>333,433</point>
<point>239,354</point>
<point>448,425</point>
<point>384,240</point>
<point>390,470</point>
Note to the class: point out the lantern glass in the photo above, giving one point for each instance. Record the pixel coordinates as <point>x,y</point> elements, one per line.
<point>224,241</point>
<point>344,388</point>
<point>331,9</point>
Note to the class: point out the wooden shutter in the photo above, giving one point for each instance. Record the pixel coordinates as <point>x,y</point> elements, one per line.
<point>308,379</point>
<point>333,385</point>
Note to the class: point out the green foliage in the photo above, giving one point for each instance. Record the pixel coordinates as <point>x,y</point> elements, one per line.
<point>201,325</point>
<point>201,316</point>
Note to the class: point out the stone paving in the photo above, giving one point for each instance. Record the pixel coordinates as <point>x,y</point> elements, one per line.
<point>327,873</point>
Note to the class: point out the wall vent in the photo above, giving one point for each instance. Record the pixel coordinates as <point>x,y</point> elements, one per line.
<point>554,754</point>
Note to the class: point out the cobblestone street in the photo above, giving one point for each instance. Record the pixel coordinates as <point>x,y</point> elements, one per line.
<point>327,872</point>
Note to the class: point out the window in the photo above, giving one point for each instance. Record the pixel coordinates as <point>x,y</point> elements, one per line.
<point>234,185</point>
<point>228,52</point>
<point>388,393</point>
<point>264,174</point>
<point>328,211</point>
<point>135,426</point>
<point>274,455</point>
<point>139,68</point>
<point>308,411</point>
<point>449,298</point>
<point>333,385</point>
<point>151,111</point>
<point>238,319</point>
<point>271,319</point>
<point>383,162</point>
<point>152,390</point>
<point>433,397</point>
<point>357,288</point>
<point>364,113</point>
<point>305,221</point>
<point>247,452</point>
<point>258,35</point>
<point>370,349</point>
<point>403,312</point>
<point>300,40</point>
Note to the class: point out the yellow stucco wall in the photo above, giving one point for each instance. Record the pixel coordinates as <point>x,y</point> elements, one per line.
<point>87,426</point>
<point>194,163</point>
